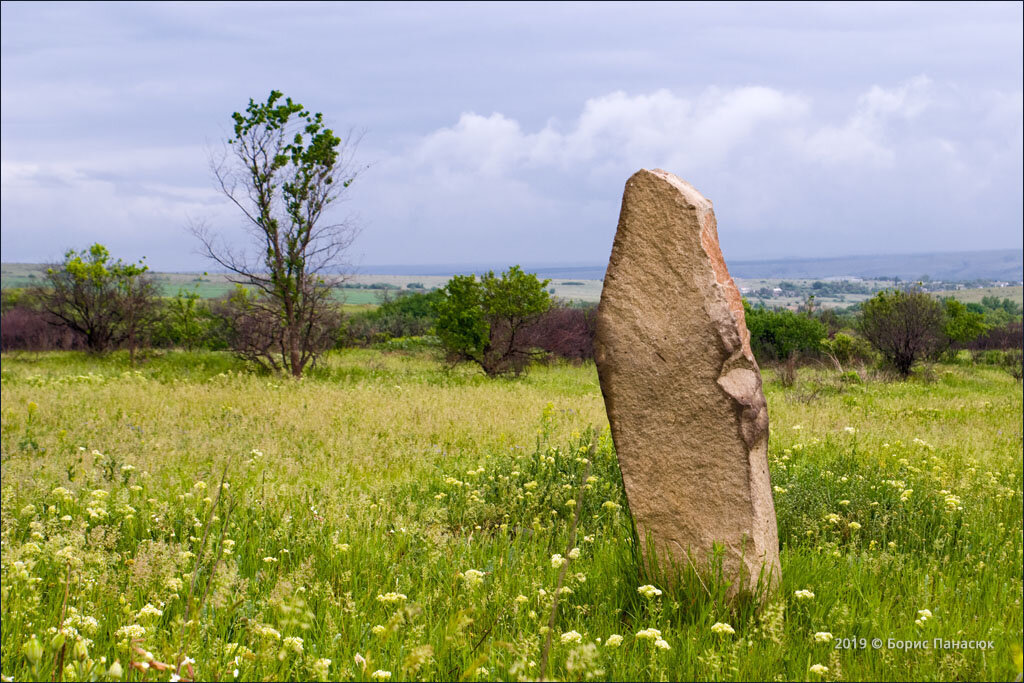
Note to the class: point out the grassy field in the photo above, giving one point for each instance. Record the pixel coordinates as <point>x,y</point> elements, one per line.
<point>388,518</point>
<point>974,296</point>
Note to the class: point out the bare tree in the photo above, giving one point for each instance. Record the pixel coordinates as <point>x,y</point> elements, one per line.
<point>283,169</point>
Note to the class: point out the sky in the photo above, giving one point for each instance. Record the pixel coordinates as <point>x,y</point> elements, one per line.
<point>504,133</point>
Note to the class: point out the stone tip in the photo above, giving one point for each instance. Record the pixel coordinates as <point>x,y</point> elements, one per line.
<point>689,192</point>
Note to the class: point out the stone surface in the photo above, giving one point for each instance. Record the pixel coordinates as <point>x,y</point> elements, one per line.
<point>682,388</point>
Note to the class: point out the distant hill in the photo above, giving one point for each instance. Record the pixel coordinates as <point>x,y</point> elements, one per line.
<point>1001,264</point>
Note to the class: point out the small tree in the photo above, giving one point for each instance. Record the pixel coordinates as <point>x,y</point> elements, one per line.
<point>904,326</point>
<point>485,321</point>
<point>962,326</point>
<point>286,170</point>
<point>108,302</point>
<point>782,334</point>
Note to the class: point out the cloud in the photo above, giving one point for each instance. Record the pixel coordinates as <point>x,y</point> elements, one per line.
<point>128,201</point>
<point>775,161</point>
<point>614,128</point>
<point>862,138</point>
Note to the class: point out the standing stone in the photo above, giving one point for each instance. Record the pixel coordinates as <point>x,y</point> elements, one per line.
<point>682,388</point>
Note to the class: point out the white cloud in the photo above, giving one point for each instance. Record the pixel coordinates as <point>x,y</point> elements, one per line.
<point>656,128</point>
<point>863,137</point>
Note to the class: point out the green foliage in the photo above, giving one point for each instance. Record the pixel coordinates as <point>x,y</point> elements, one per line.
<point>418,305</point>
<point>962,326</point>
<point>13,297</point>
<point>515,295</point>
<point>107,301</point>
<point>187,321</point>
<point>845,348</point>
<point>484,321</point>
<point>94,267</point>
<point>1008,306</point>
<point>461,323</point>
<point>904,326</point>
<point>781,334</point>
<point>406,315</point>
<point>997,312</point>
<point>182,319</point>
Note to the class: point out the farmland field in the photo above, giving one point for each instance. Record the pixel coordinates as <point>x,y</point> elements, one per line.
<point>387,517</point>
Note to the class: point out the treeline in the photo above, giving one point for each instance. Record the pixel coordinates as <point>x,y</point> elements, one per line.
<point>93,303</point>
<point>188,322</point>
<point>896,328</point>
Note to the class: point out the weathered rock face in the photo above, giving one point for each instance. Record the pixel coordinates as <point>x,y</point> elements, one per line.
<point>681,386</point>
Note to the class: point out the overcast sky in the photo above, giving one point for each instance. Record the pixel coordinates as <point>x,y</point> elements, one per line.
<point>505,133</point>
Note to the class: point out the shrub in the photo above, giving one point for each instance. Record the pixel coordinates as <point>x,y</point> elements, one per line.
<point>780,334</point>
<point>25,329</point>
<point>406,315</point>
<point>189,322</point>
<point>1008,336</point>
<point>256,334</point>
<point>845,348</point>
<point>904,326</point>
<point>108,302</point>
<point>485,321</point>
<point>566,332</point>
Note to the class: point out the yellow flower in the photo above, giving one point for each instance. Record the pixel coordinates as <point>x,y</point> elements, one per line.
<point>722,629</point>
<point>649,591</point>
<point>473,577</point>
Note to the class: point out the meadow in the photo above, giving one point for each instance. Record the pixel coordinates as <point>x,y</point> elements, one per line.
<point>387,517</point>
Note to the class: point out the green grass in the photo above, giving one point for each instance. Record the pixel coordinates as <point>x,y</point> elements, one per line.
<point>389,508</point>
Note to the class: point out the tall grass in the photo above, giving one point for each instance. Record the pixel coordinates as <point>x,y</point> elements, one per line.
<point>386,517</point>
